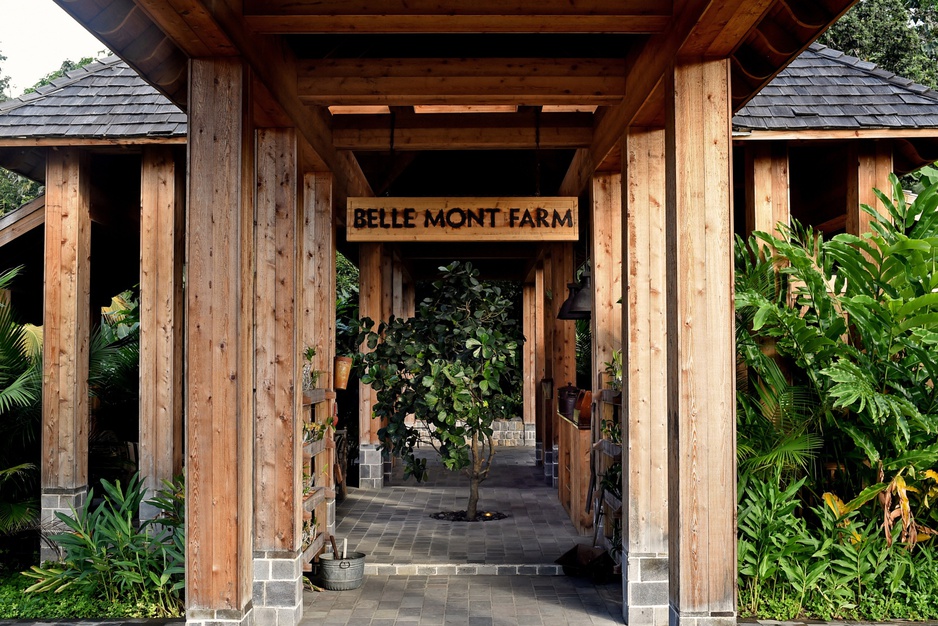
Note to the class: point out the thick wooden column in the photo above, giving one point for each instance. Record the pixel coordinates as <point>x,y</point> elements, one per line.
<point>542,437</point>
<point>162,251</point>
<point>370,304</point>
<point>874,163</point>
<point>606,257</point>
<point>644,388</point>
<point>278,589</point>
<point>66,324</point>
<point>563,341</point>
<point>767,186</point>
<point>219,385</point>
<point>701,373</point>
<point>318,324</point>
<point>530,382</point>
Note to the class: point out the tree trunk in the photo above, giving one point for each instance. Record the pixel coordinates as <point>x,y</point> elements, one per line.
<point>475,475</point>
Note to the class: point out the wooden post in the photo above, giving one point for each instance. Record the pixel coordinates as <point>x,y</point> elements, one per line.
<point>540,368</point>
<point>162,250</point>
<point>64,469</point>
<point>371,304</point>
<point>644,390</point>
<point>318,296</point>
<point>701,372</point>
<point>278,589</point>
<point>530,382</point>
<point>767,186</point>
<point>563,355</point>
<point>219,389</point>
<point>546,335</point>
<point>873,164</point>
<point>606,258</point>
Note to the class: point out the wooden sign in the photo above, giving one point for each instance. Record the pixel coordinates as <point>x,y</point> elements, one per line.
<point>462,219</point>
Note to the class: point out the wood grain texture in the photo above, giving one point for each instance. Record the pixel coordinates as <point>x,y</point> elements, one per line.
<point>539,340</point>
<point>563,343</point>
<point>219,446</point>
<point>529,387</point>
<point>66,320</point>
<point>277,353</point>
<point>767,187</point>
<point>701,381</point>
<point>644,328</point>
<point>874,164</point>
<point>162,253</point>
<point>370,305</point>
<point>22,220</point>
<point>606,258</point>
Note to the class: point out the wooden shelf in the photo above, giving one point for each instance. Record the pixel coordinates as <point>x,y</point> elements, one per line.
<point>315,396</point>
<point>570,421</point>
<point>310,553</point>
<point>608,448</point>
<point>314,498</point>
<point>610,396</point>
<point>613,505</point>
<point>314,448</point>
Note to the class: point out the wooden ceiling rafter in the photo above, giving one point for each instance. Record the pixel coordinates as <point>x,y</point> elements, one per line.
<point>457,16</point>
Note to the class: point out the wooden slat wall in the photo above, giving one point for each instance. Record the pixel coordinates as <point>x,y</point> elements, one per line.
<point>370,305</point>
<point>162,251</point>
<point>66,320</point>
<point>528,365</point>
<point>701,381</point>
<point>874,163</point>
<point>644,327</point>
<point>219,388</point>
<point>277,462</point>
<point>606,257</point>
<point>767,186</point>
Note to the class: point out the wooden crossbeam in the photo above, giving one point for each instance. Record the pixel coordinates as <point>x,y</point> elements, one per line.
<point>407,82</point>
<point>457,16</point>
<point>472,131</point>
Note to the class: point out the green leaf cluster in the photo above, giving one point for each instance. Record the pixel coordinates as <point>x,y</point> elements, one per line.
<point>446,366</point>
<point>107,555</point>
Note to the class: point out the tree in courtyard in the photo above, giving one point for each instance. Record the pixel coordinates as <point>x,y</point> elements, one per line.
<point>445,366</point>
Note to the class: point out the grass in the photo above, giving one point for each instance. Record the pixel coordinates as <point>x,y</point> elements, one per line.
<point>67,604</point>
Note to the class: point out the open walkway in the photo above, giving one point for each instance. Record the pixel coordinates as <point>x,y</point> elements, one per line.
<point>421,570</point>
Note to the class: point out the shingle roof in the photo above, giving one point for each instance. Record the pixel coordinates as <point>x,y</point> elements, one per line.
<point>826,89</point>
<point>105,100</point>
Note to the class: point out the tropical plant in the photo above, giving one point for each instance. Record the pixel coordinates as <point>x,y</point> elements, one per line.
<point>445,366</point>
<point>107,555</point>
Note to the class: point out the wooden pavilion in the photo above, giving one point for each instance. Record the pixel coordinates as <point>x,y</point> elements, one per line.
<point>295,107</point>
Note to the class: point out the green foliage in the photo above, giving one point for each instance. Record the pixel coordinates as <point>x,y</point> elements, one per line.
<point>837,342</point>
<point>107,556</point>
<point>445,366</point>
<point>16,190</point>
<point>898,35</point>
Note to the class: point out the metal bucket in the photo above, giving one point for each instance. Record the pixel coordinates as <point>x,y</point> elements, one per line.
<point>341,574</point>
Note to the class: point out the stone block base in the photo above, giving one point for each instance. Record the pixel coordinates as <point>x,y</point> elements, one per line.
<point>370,467</point>
<point>512,433</point>
<point>678,618</point>
<point>645,589</point>
<point>220,617</point>
<point>548,465</point>
<point>555,467</point>
<point>278,589</point>
<point>57,500</point>
<point>539,453</point>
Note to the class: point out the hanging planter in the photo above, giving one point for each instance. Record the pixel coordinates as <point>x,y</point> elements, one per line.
<point>343,366</point>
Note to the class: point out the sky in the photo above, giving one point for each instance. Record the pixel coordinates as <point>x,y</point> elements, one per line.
<point>36,36</point>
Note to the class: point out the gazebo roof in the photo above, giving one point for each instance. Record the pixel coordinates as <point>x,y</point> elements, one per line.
<point>103,100</point>
<point>825,89</point>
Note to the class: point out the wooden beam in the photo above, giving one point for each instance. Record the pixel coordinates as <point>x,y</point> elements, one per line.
<point>833,133</point>
<point>869,167</point>
<point>530,384</point>
<point>606,279</point>
<point>406,82</point>
<point>318,283</point>
<point>22,220</point>
<point>767,187</point>
<point>464,131</point>
<point>452,16</point>
<point>87,142</point>
<point>162,253</point>
<point>370,305</point>
<point>219,442</point>
<point>543,341</point>
<point>66,326</point>
<point>701,372</point>
<point>644,388</point>
<point>277,397</point>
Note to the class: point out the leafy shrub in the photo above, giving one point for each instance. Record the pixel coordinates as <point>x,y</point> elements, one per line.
<point>107,557</point>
